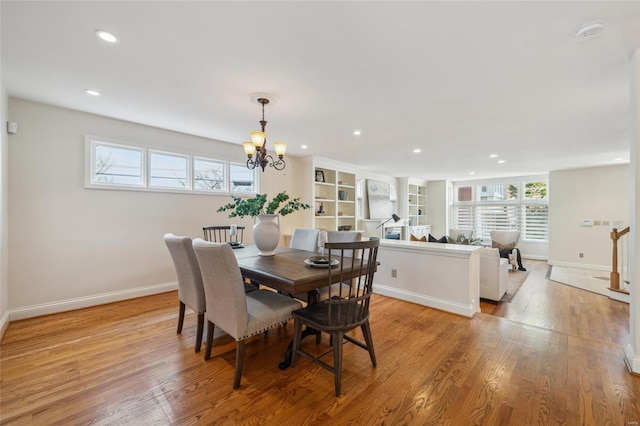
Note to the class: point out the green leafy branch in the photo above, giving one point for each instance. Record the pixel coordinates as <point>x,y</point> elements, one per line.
<point>254,206</point>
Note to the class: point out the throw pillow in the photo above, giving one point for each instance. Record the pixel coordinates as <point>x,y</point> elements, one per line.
<point>414,238</point>
<point>499,246</point>
<point>433,239</point>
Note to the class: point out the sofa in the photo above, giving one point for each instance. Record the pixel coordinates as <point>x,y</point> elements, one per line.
<point>494,274</point>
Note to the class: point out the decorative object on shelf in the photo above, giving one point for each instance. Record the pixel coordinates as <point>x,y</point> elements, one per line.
<point>342,195</point>
<point>266,228</point>
<point>395,218</point>
<point>321,209</point>
<point>344,228</point>
<point>419,212</point>
<point>319,176</point>
<point>258,144</point>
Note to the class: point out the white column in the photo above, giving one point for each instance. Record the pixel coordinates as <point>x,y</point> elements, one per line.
<point>632,351</point>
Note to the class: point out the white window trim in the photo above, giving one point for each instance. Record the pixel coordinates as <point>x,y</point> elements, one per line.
<point>89,160</point>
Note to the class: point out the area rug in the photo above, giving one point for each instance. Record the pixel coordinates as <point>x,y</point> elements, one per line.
<point>516,278</point>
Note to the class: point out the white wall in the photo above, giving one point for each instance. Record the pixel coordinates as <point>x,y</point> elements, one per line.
<point>437,207</point>
<point>596,193</point>
<point>4,224</point>
<point>68,243</point>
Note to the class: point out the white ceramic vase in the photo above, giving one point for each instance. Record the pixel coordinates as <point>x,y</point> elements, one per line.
<point>266,233</point>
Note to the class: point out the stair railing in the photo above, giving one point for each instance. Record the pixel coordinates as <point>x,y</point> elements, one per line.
<point>615,275</point>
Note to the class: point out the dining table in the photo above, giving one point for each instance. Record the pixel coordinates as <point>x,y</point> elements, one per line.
<point>288,273</point>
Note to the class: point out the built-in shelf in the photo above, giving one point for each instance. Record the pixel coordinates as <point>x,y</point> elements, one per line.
<point>335,195</point>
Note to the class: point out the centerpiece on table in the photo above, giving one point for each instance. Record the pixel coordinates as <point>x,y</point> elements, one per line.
<point>266,217</point>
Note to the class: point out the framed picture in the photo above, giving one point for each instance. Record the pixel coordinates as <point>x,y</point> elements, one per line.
<point>319,176</point>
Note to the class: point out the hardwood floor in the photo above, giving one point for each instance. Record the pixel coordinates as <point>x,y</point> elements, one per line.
<point>551,356</point>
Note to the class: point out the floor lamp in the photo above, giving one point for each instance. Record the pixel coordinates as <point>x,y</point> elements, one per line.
<point>395,218</point>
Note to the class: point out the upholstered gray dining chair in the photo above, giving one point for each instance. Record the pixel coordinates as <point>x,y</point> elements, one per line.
<point>190,288</point>
<point>343,311</point>
<point>305,239</point>
<point>239,314</point>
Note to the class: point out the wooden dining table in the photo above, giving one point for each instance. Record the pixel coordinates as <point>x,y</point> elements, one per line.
<point>288,273</point>
<point>285,272</point>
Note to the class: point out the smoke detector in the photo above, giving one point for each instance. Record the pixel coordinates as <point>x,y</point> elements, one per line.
<point>589,30</point>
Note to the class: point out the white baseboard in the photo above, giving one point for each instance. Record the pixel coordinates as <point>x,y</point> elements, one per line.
<point>421,299</point>
<point>533,257</point>
<point>620,297</point>
<point>87,301</point>
<point>4,324</point>
<point>580,265</point>
<point>632,359</point>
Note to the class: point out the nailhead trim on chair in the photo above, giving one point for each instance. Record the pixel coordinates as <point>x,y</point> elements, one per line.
<point>264,329</point>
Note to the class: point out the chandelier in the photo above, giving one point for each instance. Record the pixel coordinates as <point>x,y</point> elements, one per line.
<point>258,146</point>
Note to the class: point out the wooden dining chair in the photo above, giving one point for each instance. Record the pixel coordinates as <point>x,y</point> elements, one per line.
<point>190,288</point>
<point>224,233</point>
<point>344,311</point>
<point>332,237</point>
<point>239,314</point>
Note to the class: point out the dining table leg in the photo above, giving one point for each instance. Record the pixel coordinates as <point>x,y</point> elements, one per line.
<point>312,299</point>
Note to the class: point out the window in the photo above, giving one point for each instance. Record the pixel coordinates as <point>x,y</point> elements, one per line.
<point>209,175</point>
<point>110,165</point>
<point>515,204</point>
<point>241,178</point>
<point>500,192</point>
<point>169,170</point>
<point>359,199</point>
<point>117,165</point>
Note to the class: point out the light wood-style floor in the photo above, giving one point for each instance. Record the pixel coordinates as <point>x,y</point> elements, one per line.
<point>552,356</point>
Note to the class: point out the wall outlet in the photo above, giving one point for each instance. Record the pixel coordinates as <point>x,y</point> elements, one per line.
<point>394,273</point>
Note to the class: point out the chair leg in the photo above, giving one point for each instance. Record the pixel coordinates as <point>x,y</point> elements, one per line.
<point>239,363</point>
<point>297,337</point>
<point>366,331</point>
<point>337,360</point>
<point>180,317</point>
<point>200,331</point>
<point>207,350</point>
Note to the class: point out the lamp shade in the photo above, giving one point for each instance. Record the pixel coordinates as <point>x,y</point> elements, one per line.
<point>258,138</point>
<point>280,147</point>
<point>249,148</point>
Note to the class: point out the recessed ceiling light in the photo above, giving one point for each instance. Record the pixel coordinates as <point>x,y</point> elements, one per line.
<point>357,132</point>
<point>501,161</point>
<point>303,146</point>
<point>493,155</point>
<point>472,173</point>
<point>417,151</point>
<point>588,30</point>
<point>618,159</point>
<point>106,36</point>
<point>92,92</point>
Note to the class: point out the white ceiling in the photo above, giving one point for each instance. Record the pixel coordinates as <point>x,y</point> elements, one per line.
<point>460,80</point>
